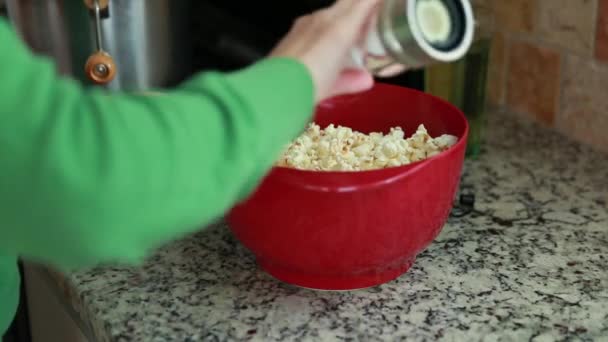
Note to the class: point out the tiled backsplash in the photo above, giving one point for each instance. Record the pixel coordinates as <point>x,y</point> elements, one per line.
<point>550,62</point>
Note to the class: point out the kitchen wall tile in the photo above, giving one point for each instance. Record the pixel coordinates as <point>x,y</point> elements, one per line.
<point>569,24</point>
<point>515,15</point>
<point>484,13</point>
<point>554,63</point>
<point>584,103</point>
<point>497,71</point>
<point>533,80</point>
<point>601,41</point>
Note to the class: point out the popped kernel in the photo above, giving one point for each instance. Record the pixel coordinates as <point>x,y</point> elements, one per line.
<point>338,148</point>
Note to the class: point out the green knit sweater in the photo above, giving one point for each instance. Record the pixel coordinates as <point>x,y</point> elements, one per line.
<point>88,177</point>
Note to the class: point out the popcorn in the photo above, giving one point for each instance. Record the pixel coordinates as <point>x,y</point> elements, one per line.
<point>342,149</point>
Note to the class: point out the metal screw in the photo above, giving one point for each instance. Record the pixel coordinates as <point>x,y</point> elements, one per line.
<point>101,70</point>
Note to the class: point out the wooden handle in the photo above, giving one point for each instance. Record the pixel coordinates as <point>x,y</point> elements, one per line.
<point>103,4</point>
<point>100,68</point>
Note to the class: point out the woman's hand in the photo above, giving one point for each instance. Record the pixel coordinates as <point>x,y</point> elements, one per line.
<point>323,41</point>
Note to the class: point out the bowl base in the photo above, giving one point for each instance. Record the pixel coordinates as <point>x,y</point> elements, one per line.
<point>336,282</point>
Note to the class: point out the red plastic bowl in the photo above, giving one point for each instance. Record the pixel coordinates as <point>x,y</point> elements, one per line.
<point>352,230</point>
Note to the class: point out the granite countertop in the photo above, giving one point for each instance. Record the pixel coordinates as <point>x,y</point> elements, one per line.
<point>529,264</point>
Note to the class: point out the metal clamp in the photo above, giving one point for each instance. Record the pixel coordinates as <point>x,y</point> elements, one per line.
<point>465,206</point>
<point>100,66</point>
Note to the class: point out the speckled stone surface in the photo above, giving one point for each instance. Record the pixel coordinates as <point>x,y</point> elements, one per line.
<point>529,264</point>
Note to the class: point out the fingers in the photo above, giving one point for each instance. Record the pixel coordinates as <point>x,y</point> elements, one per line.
<point>356,12</point>
<point>349,5</point>
<point>342,6</point>
<point>352,81</point>
<point>392,70</point>
<point>361,10</point>
<point>322,41</point>
<point>351,18</point>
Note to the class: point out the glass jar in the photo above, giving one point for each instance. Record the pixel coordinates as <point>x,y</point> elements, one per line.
<point>463,83</point>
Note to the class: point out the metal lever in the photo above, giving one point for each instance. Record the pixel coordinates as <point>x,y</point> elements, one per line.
<point>100,66</point>
<point>97,11</point>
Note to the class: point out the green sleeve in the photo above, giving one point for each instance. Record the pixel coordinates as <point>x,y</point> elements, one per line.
<point>88,177</point>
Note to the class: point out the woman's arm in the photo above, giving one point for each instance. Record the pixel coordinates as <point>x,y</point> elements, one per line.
<point>86,176</point>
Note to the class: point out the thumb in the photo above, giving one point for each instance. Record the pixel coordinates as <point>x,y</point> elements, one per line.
<point>352,81</point>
